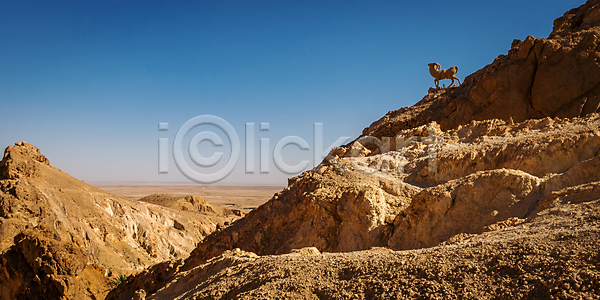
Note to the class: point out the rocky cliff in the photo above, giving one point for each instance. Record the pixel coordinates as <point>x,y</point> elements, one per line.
<point>61,238</point>
<point>552,256</point>
<point>485,171</point>
<point>504,197</point>
<point>519,138</point>
<point>558,76</point>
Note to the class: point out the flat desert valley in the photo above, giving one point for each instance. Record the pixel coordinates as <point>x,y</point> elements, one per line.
<point>242,197</point>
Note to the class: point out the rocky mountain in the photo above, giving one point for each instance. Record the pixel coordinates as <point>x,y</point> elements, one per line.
<point>61,238</point>
<point>552,256</point>
<point>558,76</point>
<point>506,189</point>
<point>500,175</point>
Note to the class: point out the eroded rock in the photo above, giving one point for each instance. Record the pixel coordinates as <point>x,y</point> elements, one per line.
<point>63,239</point>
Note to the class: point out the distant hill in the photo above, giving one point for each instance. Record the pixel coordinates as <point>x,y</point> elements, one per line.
<point>60,237</point>
<point>188,203</point>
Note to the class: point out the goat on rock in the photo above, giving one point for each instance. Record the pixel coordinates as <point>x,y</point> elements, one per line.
<point>434,70</point>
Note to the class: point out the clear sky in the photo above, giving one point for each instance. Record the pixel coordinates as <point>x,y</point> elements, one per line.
<point>88,82</point>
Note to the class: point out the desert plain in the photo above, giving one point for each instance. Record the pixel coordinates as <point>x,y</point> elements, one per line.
<point>244,197</point>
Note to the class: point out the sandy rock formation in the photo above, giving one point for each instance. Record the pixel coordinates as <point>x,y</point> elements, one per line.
<point>179,282</point>
<point>464,205</point>
<point>489,178</point>
<point>22,162</point>
<point>487,171</point>
<point>517,140</point>
<point>327,211</point>
<point>48,268</point>
<point>558,76</point>
<point>552,256</point>
<point>499,176</point>
<point>306,251</point>
<point>57,233</point>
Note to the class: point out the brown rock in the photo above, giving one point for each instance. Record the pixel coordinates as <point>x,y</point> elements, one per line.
<point>38,266</point>
<point>21,160</point>
<point>178,225</point>
<point>465,206</point>
<point>306,251</point>
<point>64,239</point>
<point>499,177</point>
<point>554,77</point>
<point>139,295</point>
<point>488,173</point>
<point>554,255</point>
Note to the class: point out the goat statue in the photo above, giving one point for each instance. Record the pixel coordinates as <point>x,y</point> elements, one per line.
<point>434,70</point>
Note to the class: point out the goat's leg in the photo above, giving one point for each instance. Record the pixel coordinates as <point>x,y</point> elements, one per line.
<point>437,83</point>
<point>459,83</point>
<point>451,84</point>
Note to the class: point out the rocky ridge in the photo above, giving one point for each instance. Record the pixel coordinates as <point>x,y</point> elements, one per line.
<point>359,203</point>
<point>554,255</point>
<point>558,76</point>
<point>515,147</point>
<point>62,238</point>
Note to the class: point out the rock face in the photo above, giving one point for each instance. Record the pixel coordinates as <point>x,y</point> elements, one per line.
<point>60,237</point>
<point>558,76</point>
<point>38,267</point>
<point>517,139</point>
<point>486,172</point>
<point>327,211</point>
<point>491,177</point>
<point>552,256</point>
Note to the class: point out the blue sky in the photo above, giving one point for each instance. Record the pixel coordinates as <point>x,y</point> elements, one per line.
<point>88,82</point>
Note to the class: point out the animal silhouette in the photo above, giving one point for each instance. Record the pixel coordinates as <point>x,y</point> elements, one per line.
<point>434,70</point>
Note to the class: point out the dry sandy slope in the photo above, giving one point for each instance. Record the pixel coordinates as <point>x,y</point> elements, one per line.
<point>60,237</point>
<point>555,255</point>
<point>481,186</point>
<point>518,138</point>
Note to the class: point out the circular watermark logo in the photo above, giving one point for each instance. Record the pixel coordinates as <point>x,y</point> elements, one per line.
<point>196,157</point>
